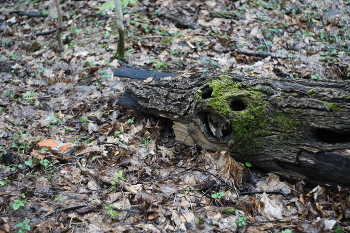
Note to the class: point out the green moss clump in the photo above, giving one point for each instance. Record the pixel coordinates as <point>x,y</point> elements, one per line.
<point>312,92</point>
<point>223,91</point>
<point>250,127</point>
<point>333,107</point>
<point>252,124</point>
<point>286,124</point>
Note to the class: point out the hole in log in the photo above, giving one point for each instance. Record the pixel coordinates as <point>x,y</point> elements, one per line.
<point>214,125</point>
<point>237,105</point>
<point>206,92</point>
<point>328,136</point>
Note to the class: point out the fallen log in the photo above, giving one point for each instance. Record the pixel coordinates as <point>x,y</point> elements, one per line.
<point>296,128</point>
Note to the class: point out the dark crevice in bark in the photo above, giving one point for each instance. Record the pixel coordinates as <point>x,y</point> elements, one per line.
<point>330,136</point>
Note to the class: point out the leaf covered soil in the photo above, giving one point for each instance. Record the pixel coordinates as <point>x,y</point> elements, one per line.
<point>73,160</point>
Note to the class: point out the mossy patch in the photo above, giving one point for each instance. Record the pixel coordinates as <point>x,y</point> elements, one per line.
<point>250,128</point>
<point>252,123</point>
<point>286,125</point>
<point>334,107</point>
<point>223,90</point>
<point>312,92</point>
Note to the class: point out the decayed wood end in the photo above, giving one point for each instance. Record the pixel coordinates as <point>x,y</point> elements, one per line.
<point>191,135</point>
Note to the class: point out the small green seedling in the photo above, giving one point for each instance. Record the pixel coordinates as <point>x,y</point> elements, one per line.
<point>41,71</point>
<point>43,150</point>
<point>111,212</point>
<point>316,77</point>
<point>119,177</point>
<point>248,164</point>
<point>113,184</point>
<point>30,97</point>
<point>84,119</point>
<point>241,221</point>
<point>200,220</point>
<point>218,195</point>
<point>130,121</point>
<point>45,162</point>
<point>54,120</point>
<point>104,74</point>
<point>17,204</point>
<point>161,65</point>
<point>4,182</point>
<point>24,226</point>
<point>146,141</point>
<point>12,95</point>
<point>22,146</point>
<point>29,162</point>
<point>117,133</point>
<point>337,229</point>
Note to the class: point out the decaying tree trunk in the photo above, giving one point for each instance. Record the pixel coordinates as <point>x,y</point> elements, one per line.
<point>299,129</point>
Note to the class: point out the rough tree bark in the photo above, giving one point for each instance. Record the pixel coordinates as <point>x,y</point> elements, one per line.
<point>299,129</point>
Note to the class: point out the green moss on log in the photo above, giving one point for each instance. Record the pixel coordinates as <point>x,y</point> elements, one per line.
<point>224,90</point>
<point>312,92</point>
<point>252,124</point>
<point>334,107</point>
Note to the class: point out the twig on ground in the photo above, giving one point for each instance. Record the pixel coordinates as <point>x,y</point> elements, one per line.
<point>30,14</point>
<point>266,45</point>
<point>269,192</point>
<point>181,21</point>
<point>262,54</point>
<point>43,33</point>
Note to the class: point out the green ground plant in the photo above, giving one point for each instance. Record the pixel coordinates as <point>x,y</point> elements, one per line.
<point>17,204</point>
<point>241,221</point>
<point>24,226</point>
<point>218,195</point>
<point>21,146</point>
<point>31,97</point>
<point>4,182</point>
<point>54,120</point>
<point>146,141</point>
<point>84,120</point>
<point>45,162</point>
<point>114,182</point>
<point>111,212</point>
<point>229,211</point>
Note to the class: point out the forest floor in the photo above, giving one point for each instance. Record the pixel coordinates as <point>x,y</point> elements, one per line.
<point>73,160</point>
